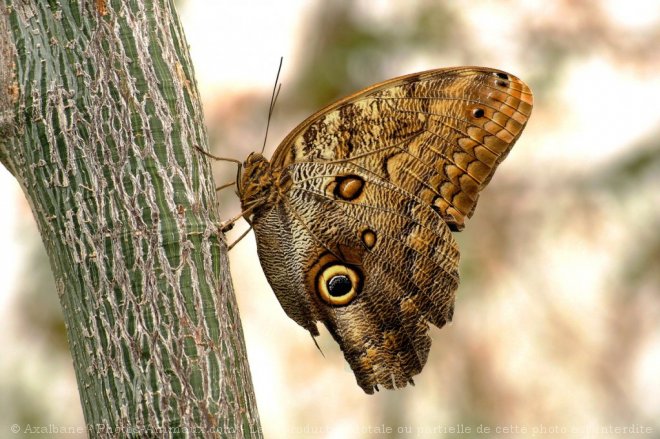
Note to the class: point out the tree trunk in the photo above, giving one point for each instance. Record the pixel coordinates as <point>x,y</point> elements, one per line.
<point>99,116</point>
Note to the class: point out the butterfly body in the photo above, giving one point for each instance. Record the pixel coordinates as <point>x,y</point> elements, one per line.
<point>354,213</point>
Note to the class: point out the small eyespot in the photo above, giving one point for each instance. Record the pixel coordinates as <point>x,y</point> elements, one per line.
<point>501,75</point>
<point>502,83</point>
<point>478,112</point>
<point>348,187</point>
<point>338,284</point>
<point>368,238</point>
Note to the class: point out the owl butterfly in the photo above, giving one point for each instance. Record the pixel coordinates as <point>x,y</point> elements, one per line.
<point>354,213</point>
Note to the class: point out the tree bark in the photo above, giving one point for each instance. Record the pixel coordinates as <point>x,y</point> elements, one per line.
<point>99,116</point>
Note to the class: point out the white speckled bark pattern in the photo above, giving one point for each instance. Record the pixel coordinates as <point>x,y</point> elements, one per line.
<point>98,117</point>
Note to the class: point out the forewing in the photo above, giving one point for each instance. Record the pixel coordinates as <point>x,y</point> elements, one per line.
<point>439,134</point>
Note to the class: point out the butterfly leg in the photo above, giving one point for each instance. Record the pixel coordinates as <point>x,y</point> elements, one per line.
<point>215,157</point>
<point>225,186</point>
<point>239,239</point>
<point>228,224</point>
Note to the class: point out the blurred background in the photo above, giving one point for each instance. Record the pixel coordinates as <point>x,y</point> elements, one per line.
<point>556,330</point>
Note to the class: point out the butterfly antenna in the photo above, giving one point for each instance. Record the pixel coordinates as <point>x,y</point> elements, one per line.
<point>273,98</point>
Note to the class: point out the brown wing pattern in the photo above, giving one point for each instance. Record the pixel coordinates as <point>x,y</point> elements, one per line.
<point>408,270</point>
<point>438,134</point>
<point>353,215</point>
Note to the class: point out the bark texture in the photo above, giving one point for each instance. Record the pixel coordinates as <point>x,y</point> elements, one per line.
<point>99,113</point>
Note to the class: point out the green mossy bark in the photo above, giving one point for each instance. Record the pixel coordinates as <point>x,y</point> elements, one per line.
<point>99,116</point>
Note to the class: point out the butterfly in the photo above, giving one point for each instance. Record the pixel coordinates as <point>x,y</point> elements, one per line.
<point>354,213</point>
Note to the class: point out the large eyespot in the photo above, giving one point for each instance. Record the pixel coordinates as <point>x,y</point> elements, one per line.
<point>338,284</point>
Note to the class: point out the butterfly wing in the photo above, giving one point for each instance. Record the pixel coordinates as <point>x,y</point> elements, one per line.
<point>438,134</point>
<point>397,254</point>
<point>360,237</point>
